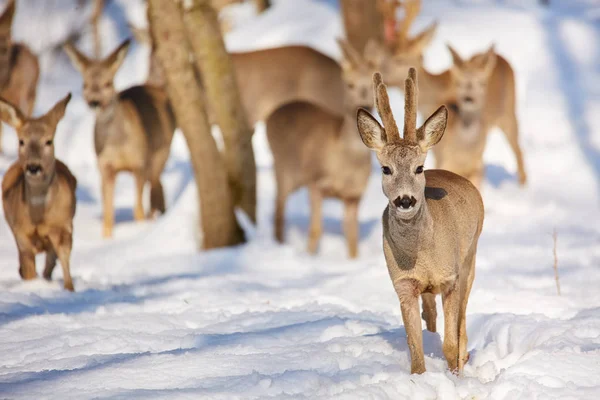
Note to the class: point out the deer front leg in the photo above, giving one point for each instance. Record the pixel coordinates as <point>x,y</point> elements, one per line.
<point>429,311</point>
<point>62,241</point>
<point>351,226</point>
<point>316,228</point>
<point>451,304</point>
<point>408,293</point>
<point>27,264</point>
<point>1,148</point>
<point>108,192</point>
<point>50,264</point>
<point>279,220</point>
<point>138,209</point>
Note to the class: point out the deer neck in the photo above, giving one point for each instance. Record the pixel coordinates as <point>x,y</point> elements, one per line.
<point>406,236</point>
<point>349,133</point>
<point>107,114</point>
<point>36,196</point>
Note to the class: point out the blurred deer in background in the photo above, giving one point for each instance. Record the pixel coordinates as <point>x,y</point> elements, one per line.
<point>315,148</point>
<point>19,68</point>
<point>268,79</point>
<point>38,193</point>
<point>462,149</point>
<point>133,131</point>
<point>430,226</point>
<point>498,90</point>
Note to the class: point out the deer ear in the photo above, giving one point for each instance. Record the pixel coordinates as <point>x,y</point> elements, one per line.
<point>58,111</point>
<point>7,17</point>
<point>457,61</point>
<point>115,59</point>
<point>351,57</point>
<point>79,61</point>
<point>433,129</point>
<point>11,114</point>
<point>418,44</point>
<point>371,132</point>
<point>488,61</point>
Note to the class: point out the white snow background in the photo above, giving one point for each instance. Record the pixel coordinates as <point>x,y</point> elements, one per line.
<point>153,318</point>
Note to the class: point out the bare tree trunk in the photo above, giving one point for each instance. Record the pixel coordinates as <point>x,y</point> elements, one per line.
<point>219,224</point>
<point>96,14</point>
<point>200,20</point>
<point>262,5</point>
<point>362,21</point>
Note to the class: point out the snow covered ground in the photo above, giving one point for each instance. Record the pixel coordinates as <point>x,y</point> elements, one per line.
<point>153,318</point>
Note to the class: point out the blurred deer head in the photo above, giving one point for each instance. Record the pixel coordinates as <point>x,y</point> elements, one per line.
<point>36,139</point>
<point>6,40</point>
<point>98,75</point>
<point>399,52</point>
<point>470,80</point>
<point>401,158</point>
<point>356,74</point>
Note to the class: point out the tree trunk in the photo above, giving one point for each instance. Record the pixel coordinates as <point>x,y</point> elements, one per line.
<point>362,21</point>
<point>219,224</point>
<point>262,5</point>
<point>222,93</point>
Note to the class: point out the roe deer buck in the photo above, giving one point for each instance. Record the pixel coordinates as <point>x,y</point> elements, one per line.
<point>19,68</point>
<point>312,147</point>
<point>431,224</point>
<point>268,79</point>
<point>38,193</point>
<point>403,52</point>
<point>133,131</point>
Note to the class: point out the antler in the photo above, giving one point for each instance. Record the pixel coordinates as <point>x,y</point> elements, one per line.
<point>410,106</point>
<point>411,10</point>
<point>382,102</point>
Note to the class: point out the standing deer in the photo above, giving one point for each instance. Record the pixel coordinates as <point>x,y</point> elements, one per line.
<point>19,68</point>
<point>466,135</point>
<point>268,79</point>
<point>315,148</point>
<point>38,193</point>
<point>133,131</point>
<point>431,224</point>
<point>403,52</point>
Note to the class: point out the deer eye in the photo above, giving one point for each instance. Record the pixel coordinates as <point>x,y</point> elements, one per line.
<point>107,85</point>
<point>48,142</point>
<point>21,142</point>
<point>419,169</point>
<point>386,170</point>
<point>351,86</point>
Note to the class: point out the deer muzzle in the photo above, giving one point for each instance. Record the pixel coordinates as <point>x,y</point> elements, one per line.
<point>405,202</point>
<point>33,169</point>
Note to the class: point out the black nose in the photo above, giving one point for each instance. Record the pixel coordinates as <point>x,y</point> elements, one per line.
<point>469,99</point>
<point>34,168</point>
<point>94,104</point>
<point>405,202</point>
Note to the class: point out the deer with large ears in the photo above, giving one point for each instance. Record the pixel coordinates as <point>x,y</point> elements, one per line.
<point>133,131</point>
<point>19,68</point>
<point>431,224</point>
<point>316,148</point>
<point>497,89</point>
<point>38,193</point>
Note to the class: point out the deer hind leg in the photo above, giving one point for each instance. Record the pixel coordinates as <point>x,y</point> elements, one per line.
<point>429,311</point>
<point>50,263</point>
<point>27,265</point>
<point>108,192</point>
<point>316,219</point>
<point>510,127</point>
<point>1,148</point>
<point>466,284</point>
<point>451,303</point>
<point>279,220</point>
<point>408,293</point>
<point>62,241</point>
<point>138,209</point>
<point>351,226</point>
<point>157,194</point>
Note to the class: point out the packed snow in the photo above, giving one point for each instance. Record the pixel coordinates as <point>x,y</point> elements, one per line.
<point>155,318</point>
